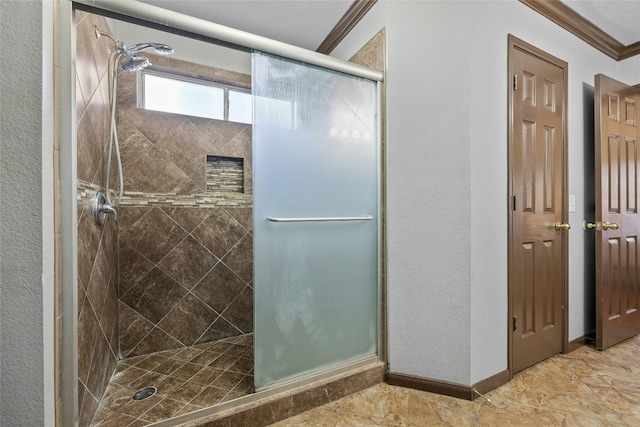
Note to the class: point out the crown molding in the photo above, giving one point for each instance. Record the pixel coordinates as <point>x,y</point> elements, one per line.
<point>554,10</point>
<point>630,50</point>
<point>350,19</point>
<point>582,28</point>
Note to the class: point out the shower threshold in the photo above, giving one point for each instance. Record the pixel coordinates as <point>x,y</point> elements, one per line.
<point>186,379</point>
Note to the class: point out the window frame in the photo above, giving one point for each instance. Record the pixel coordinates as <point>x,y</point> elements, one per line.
<point>226,87</point>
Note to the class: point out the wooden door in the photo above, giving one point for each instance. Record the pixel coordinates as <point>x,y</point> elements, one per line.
<point>538,216</point>
<point>617,224</point>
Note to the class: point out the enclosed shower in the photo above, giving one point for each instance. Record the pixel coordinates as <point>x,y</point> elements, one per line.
<point>165,223</point>
<point>171,319</point>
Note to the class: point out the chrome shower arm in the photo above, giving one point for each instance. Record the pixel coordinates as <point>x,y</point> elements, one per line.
<point>100,33</point>
<point>160,48</point>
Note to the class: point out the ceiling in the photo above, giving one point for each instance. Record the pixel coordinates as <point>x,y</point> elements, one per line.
<point>618,18</point>
<point>303,23</point>
<point>306,23</point>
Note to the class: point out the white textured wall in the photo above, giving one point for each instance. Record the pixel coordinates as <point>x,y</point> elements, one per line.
<point>630,70</point>
<point>447,178</point>
<point>490,26</point>
<point>26,272</point>
<point>428,197</point>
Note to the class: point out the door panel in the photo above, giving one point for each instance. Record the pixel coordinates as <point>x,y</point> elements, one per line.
<point>315,219</point>
<point>616,170</point>
<point>537,256</point>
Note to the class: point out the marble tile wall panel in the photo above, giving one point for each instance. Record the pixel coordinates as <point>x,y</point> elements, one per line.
<point>372,54</point>
<point>98,338</point>
<point>173,259</point>
<point>186,276</point>
<point>287,405</point>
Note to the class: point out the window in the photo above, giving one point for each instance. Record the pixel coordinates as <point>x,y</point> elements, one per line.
<point>171,93</point>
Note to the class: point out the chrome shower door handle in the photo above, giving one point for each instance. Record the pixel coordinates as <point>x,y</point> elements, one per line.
<point>322,219</point>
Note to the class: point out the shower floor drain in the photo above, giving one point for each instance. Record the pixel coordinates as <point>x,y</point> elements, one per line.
<point>144,393</point>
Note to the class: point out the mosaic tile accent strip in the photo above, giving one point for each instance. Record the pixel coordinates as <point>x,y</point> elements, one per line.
<point>194,200</point>
<point>87,190</point>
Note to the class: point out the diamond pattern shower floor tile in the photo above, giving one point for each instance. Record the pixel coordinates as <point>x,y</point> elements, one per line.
<point>186,379</point>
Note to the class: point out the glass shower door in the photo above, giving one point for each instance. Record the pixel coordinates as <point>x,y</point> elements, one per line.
<point>315,148</point>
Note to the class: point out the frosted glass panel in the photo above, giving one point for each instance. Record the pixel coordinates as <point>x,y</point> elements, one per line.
<point>315,156</point>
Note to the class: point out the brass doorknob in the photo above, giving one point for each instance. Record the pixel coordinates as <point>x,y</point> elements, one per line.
<point>562,226</point>
<point>606,225</point>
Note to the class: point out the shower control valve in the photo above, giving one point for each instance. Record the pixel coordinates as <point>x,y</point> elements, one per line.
<point>101,208</point>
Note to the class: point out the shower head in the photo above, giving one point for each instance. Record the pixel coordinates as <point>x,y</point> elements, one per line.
<point>133,62</point>
<point>159,48</point>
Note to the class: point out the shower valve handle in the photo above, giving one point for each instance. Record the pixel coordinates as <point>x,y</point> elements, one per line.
<point>109,208</point>
<point>101,208</point>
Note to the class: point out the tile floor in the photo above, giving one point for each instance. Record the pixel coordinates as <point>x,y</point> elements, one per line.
<point>186,379</point>
<point>583,388</point>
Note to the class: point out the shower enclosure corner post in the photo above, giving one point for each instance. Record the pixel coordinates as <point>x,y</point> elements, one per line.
<point>382,230</point>
<point>67,341</point>
<point>382,349</point>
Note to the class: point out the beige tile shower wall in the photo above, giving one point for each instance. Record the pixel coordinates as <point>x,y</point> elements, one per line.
<point>372,54</point>
<point>167,153</point>
<point>98,346</point>
<point>186,276</point>
<point>186,256</point>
